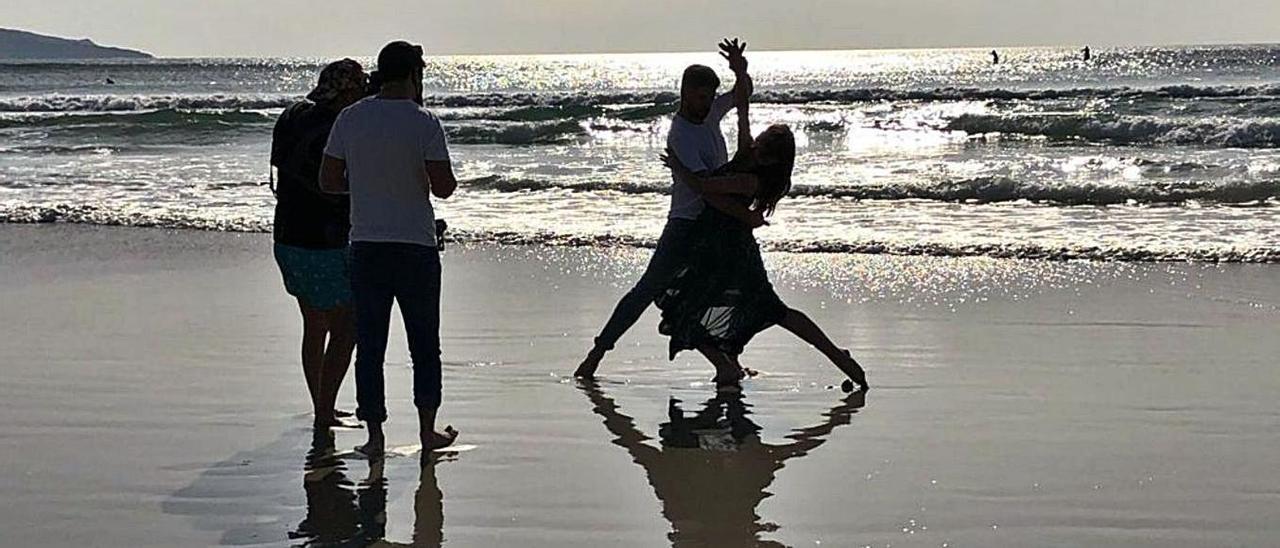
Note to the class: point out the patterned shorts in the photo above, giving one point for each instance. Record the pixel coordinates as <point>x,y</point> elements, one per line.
<point>317,277</point>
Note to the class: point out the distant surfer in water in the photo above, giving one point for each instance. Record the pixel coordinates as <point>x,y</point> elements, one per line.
<point>995,57</point>
<point>1088,54</point>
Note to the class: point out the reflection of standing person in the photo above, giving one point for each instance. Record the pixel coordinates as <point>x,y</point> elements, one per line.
<point>342,514</point>
<point>337,513</point>
<point>428,511</point>
<point>712,470</point>
<point>310,234</point>
<point>391,155</point>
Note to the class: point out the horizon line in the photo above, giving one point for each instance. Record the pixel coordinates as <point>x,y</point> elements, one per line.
<point>695,51</point>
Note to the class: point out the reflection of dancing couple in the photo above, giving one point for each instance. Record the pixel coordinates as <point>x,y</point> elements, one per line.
<point>706,274</point>
<point>712,469</point>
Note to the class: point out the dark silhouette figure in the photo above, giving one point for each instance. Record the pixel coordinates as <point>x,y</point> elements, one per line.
<point>712,469</point>
<point>340,513</point>
<point>995,57</point>
<point>1088,54</point>
<point>428,510</point>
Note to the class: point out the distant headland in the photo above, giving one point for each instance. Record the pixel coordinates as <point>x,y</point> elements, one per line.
<point>19,44</point>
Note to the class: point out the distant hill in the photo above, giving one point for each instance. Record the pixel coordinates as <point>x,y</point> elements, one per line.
<point>19,44</point>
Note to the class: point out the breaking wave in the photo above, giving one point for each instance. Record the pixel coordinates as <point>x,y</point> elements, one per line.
<point>97,215</point>
<point>974,190</point>
<point>1235,133</point>
<point>573,103</point>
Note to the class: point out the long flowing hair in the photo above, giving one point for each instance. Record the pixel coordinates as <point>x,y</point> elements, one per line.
<point>778,146</point>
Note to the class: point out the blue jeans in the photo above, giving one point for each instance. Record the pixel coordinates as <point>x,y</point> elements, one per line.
<point>671,254</point>
<point>408,274</point>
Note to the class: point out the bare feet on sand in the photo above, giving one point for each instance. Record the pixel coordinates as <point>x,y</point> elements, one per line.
<point>372,450</point>
<point>335,422</point>
<point>438,440</point>
<point>587,369</point>
<point>375,447</point>
<point>851,368</point>
<point>730,380</point>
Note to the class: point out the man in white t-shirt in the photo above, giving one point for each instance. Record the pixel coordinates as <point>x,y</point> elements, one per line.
<point>694,139</point>
<point>391,155</point>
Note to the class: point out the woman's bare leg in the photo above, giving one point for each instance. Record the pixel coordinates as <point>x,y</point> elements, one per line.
<point>315,330</point>
<point>799,324</point>
<point>337,356</point>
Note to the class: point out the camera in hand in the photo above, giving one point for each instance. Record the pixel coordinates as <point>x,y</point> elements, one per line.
<point>441,227</point>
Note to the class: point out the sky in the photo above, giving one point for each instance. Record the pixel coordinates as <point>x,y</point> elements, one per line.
<point>312,28</point>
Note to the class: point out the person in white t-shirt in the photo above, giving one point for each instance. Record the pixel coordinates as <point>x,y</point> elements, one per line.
<point>391,155</point>
<point>694,138</point>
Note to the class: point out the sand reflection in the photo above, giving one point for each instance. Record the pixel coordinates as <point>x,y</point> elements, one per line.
<point>344,513</point>
<point>712,470</point>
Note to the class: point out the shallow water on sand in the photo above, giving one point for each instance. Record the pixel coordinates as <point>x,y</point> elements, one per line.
<point>152,399</point>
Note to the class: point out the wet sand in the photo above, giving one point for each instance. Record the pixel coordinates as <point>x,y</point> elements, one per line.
<point>152,397</point>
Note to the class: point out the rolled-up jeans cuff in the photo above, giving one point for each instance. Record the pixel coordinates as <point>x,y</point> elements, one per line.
<point>371,416</point>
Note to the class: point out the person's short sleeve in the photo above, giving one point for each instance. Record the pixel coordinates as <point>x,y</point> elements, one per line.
<point>435,145</point>
<point>282,136</point>
<point>687,151</point>
<point>278,145</point>
<point>336,147</point>
<point>720,108</point>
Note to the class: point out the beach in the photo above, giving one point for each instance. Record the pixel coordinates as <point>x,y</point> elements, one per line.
<point>153,397</point>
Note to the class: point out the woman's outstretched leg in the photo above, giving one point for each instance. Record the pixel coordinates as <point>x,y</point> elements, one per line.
<point>799,324</point>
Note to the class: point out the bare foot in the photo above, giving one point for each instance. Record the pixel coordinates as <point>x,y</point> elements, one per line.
<point>854,371</point>
<point>374,448</point>
<point>729,381</point>
<point>587,369</point>
<point>439,440</point>
<point>335,422</point>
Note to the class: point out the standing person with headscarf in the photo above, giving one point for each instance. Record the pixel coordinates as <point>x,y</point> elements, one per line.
<point>311,234</point>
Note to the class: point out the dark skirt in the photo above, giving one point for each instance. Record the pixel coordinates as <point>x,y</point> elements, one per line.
<point>721,297</point>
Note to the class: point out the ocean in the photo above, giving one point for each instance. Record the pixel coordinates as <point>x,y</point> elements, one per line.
<point>1142,154</point>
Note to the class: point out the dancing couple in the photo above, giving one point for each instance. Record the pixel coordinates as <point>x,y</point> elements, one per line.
<point>707,275</point>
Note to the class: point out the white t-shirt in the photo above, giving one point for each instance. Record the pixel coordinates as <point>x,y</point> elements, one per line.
<point>700,147</point>
<point>386,144</point>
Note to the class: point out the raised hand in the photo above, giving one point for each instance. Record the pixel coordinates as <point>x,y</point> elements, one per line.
<point>732,51</point>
